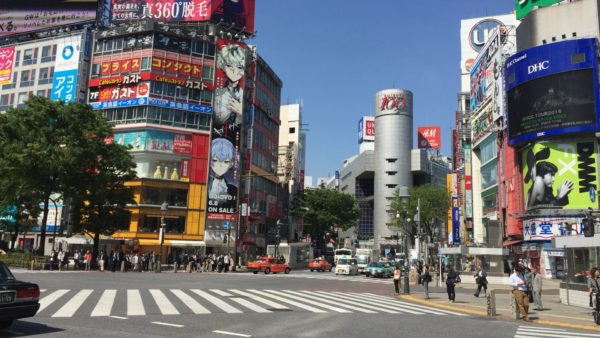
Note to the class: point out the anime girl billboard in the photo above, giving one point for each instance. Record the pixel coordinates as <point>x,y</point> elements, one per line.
<point>560,175</point>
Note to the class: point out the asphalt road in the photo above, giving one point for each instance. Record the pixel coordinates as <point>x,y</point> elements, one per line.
<point>301,304</point>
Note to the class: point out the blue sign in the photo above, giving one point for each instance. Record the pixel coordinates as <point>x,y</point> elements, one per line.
<point>226,224</point>
<point>552,89</point>
<point>180,105</point>
<point>360,130</point>
<point>50,228</point>
<point>64,85</point>
<point>120,103</point>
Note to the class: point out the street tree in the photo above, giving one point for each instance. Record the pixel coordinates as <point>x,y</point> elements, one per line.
<point>51,147</point>
<point>322,209</point>
<point>434,200</point>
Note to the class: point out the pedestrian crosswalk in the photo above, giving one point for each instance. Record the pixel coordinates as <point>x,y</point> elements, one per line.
<point>327,276</point>
<point>540,332</point>
<point>117,303</point>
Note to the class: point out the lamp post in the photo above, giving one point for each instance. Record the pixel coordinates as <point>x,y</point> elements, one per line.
<point>164,208</point>
<point>404,199</point>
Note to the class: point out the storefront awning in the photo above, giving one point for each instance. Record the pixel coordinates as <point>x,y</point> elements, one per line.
<point>512,242</point>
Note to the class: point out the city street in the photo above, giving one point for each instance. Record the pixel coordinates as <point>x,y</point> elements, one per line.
<point>301,304</point>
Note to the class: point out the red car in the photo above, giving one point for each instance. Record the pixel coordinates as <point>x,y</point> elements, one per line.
<point>319,264</point>
<point>271,264</point>
<point>254,266</point>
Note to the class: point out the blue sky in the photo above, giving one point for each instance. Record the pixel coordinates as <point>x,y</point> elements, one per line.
<point>334,55</point>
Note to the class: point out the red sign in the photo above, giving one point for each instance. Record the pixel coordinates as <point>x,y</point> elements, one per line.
<point>7,57</point>
<point>182,144</point>
<point>111,93</point>
<point>120,66</point>
<point>185,168</point>
<point>370,127</point>
<point>147,76</point>
<point>429,137</point>
<point>468,183</point>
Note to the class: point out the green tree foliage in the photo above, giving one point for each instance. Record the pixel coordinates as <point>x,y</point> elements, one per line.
<point>55,147</point>
<point>323,208</point>
<point>435,202</point>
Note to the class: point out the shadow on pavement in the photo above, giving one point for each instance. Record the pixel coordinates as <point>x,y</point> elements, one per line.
<point>24,328</point>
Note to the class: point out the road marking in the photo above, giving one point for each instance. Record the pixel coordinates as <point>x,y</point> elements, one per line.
<point>376,302</point>
<point>190,302</point>
<point>221,293</point>
<point>42,290</point>
<point>117,317</point>
<point>51,298</point>
<point>352,302</point>
<point>163,303</point>
<point>69,309</point>
<point>438,305</point>
<point>249,305</point>
<point>216,301</point>
<point>291,302</point>
<point>135,306</point>
<point>260,299</point>
<point>352,307</point>
<point>308,301</point>
<point>168,324</point>
<point>392,301</point>
<point>105,304</point>
<point>532,331</point>
<point>232,333</point>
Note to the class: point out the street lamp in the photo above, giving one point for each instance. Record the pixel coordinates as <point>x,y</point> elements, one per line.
<point>164,208</point>
<point>404,199</point>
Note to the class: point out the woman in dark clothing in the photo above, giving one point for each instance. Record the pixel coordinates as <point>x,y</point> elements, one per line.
<point>452,278</point>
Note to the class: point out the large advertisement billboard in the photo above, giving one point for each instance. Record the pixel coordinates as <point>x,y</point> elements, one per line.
<point>523,7</point>
<point>238,13</point>
<point>223,179</point>
<point>551,89</point>
<point>366,129</point>
<point>429,137</point>
<point>474,33</point>
<point>66,66</point>
<point>560,175</point>
<point>25,16</point>
<point>7,59</point>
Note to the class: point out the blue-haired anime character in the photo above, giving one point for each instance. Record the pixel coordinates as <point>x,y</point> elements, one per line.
<point>221,183</point>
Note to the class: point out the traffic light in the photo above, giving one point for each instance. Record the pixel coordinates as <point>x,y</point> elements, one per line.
<point>588,227</point>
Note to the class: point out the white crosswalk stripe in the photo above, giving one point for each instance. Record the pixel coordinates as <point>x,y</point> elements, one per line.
<point>358,278</point>
<point>542,332</point>
<point>112,303</point>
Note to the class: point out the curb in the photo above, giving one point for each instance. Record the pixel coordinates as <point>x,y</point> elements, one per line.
<point>484,314</point>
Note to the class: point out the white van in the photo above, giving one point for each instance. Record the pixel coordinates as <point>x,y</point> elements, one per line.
<point>341,252</point>
<point>346,266</point>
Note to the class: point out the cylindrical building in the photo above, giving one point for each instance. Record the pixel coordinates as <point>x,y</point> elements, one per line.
<point>394,128</point>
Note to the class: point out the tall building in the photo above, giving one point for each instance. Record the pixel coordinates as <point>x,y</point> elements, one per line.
<point>553,113</point>
<point>292,160</point>
<point>394,127</point>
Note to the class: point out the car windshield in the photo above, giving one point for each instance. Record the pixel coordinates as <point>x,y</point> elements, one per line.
<point>375,265</point>
<point>362,259</point>
<point>344,261</point>
<point>5,273</point>
<point>343,252</point>
<point>317,261</point>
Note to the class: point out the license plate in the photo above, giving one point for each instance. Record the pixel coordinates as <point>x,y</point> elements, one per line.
<point>7,297</point>
<point>340,271</point>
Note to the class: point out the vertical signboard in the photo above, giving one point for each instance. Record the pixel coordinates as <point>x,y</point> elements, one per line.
<point>7,58</point>
<point>223,180</point>
<point>64,84</point>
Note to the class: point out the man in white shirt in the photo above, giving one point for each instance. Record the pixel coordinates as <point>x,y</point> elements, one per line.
<point>519,284</point>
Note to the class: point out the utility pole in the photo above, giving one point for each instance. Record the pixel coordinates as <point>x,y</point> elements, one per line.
<point>418,239</point>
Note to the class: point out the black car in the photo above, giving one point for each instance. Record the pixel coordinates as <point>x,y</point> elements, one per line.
<point>17,299</point>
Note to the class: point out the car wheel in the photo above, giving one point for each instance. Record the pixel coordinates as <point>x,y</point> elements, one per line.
<point>5,324</point>
<point>267,271</point>
<point>311,270</point>
<point>255,272</point>
<point>287,270</point>
<point>330,269</point>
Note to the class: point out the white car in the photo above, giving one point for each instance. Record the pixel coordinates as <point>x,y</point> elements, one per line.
<point>346,265</point>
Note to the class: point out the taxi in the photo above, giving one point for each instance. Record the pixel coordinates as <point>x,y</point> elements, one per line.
<point>380,269</point>
<point>319,264</point>
<point>254,265</point>
<point>274,265</point>
<point>346,265</point>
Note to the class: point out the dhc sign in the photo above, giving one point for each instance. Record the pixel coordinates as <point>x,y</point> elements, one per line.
<point>538,66</point>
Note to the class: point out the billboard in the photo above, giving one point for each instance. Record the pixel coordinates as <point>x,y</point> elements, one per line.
<point>66,67</point>
<point>546,228</point>
<point>237,13</point>
<point>223,179</point>
<point>7,58</point>
<point>551,89</point>
<point>429,137</point>
<point>26,16</point>
<point>523,7</point>
<point>474,33</point>
<point>560,175</point>
<point>110,93</point>
<point>366,129</point>
<point>133,78</point>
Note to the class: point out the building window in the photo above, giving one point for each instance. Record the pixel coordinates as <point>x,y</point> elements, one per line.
<point>27,78</point>
<point>21,99</point>
<point>30,56</point>
<point>5,102</point>
<point>17,58</point>
<point>292,130</point>
<point>48,53</point>
<point>96,69</point>
<point>14,82</point>
<point>46,75</point>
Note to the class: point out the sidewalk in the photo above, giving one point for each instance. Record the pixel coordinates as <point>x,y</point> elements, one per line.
<point>554,312</point>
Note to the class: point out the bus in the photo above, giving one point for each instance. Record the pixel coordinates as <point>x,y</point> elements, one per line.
<point>341,252</point>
